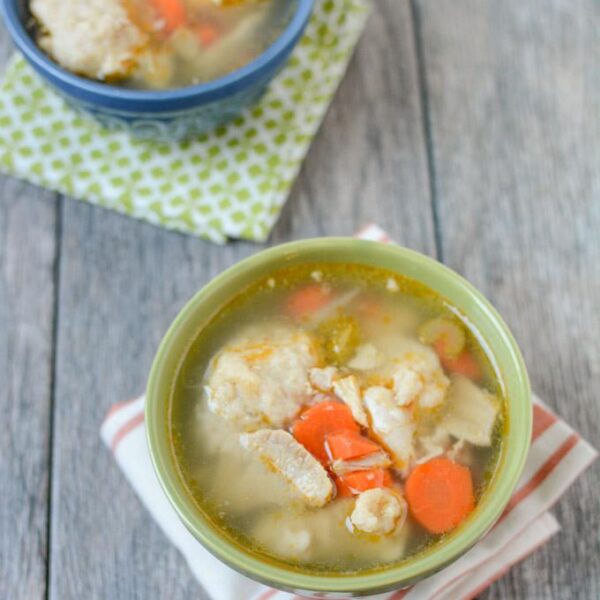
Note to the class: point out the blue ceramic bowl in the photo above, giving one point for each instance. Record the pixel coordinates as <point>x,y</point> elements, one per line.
<point>169,114</point>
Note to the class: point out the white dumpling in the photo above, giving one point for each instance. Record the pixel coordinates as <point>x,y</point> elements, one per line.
<point>95,38</point>
<point>379,511</point>
<point>261,379</point>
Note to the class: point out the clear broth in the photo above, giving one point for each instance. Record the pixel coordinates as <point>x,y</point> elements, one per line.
<point>249,502</point>
<point>215,40</point>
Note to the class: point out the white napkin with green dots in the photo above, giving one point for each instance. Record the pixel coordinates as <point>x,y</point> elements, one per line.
<point>230,183</point>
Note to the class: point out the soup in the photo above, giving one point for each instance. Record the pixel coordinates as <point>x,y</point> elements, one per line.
<point>158,44</point>
<point>336,418</point>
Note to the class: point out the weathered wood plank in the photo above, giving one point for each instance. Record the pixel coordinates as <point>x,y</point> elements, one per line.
<point>122,282</point>
<point>513,91</point>
<point>368,162</point>
<point>27,260</point>
<point>27,257</point>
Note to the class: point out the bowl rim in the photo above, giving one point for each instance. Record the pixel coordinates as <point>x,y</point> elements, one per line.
<point>210,90</point>
<point>447,550</point>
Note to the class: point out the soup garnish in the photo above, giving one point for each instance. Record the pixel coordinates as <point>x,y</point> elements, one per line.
<point>337,418</point>
<point>158,44</point>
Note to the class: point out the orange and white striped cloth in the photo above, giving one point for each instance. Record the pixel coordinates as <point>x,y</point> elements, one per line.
<point>557,457</point>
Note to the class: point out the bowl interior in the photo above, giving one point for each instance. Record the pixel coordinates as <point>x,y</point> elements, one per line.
<point>496,338</point>
<point>16,16</point>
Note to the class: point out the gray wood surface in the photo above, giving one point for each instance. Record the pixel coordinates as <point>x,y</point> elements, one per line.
<point>469,129</point>
<point>27,309</point>
<point>513,116</point>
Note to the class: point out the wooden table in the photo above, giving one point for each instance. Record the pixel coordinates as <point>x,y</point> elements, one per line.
<point>470,129</point>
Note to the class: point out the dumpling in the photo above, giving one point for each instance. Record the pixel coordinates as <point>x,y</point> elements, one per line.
<point>262,380</point>
<point>95,38</point>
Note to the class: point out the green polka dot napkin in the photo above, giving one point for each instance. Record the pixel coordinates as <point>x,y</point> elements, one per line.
<point>231,182</point>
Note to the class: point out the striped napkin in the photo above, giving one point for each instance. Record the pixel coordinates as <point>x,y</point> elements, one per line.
<point>557,457</point>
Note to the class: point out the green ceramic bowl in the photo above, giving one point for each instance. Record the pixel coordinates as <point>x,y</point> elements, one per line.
<point>496,337</point>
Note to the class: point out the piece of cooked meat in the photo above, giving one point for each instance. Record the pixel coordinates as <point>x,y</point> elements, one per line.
<point>419,378</point>
<point>393,425</point>
<point>379,511</point>
<point>408,385</point>
<point>470,413</point>
<point>286,456</point>
<point>431,442</point>
<point>348,390</point>
<point>377,460</point>
<point>322,378</point>
<point>366,358</point>
<point>95,38</point>
<point>262,378</point>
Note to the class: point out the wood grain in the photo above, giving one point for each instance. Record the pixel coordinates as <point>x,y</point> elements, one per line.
<point>27,262</point>
<point>513,91</point>
<point>122,282</point>
<point>499,105</point>
<point>368,162</point>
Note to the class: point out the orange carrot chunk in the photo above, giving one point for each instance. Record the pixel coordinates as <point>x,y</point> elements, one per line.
<point>319,421</point>
<point>369,306</point>
<point>207,34</point>
<point>361,481</point>
<point>463,364</point>
<point>172,12</point>
<point>349,444</point>
<point>308,300</point>
<point>343,489</point>
<point>440,494</point>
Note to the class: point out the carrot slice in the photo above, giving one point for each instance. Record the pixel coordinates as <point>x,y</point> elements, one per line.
<point>440,494</point>
<point>308,300</point>
<point>369,306</point>
<point>361,481</point>
<point>172,12</point>
<point>320,420</point>
<point>207,34</point>
<point>464,363</point>
<point>346,445</point>
<point>343,489</point>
